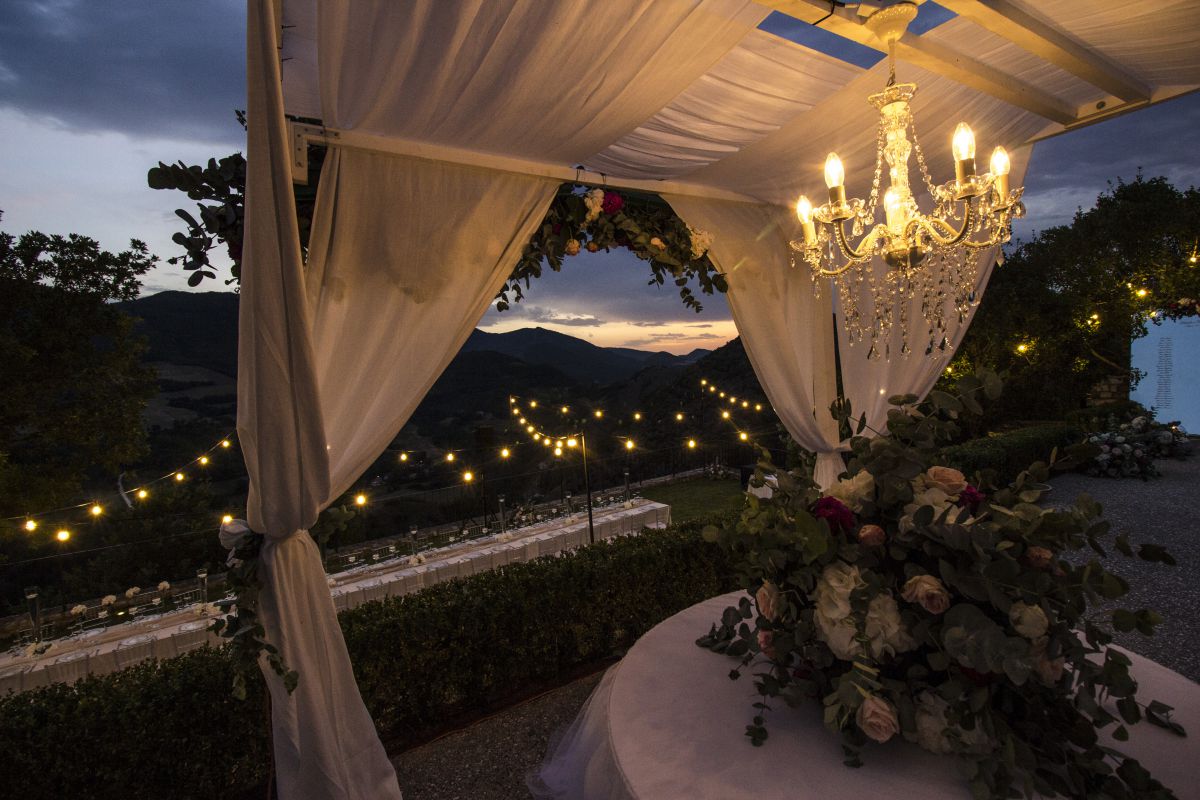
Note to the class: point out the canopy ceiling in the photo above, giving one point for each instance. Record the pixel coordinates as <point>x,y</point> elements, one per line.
<point>693,92</point>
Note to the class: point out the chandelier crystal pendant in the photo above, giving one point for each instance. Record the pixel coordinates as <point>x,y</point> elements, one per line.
<point>933,256</point>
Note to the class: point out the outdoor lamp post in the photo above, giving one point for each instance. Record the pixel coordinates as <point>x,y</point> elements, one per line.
<point>35,611</point>
<point>202,580</point>
<point>503,521</point>
<point>628,499</point>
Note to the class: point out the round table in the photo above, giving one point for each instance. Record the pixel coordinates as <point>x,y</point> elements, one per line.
<point>667,722</point>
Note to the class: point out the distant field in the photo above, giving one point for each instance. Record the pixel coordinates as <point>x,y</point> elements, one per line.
<point>697,498</point>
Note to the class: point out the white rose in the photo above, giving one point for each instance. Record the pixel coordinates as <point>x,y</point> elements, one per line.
<point>701,241</point>
<point>594,201</point>
<point>933,729</point>
<point>884,630</point>
<point>853,491</point>
<point>77,610</point>
<point>833,590</point>
<point>840,634</point>
<point>1029,621</point>
<point>163,586</point>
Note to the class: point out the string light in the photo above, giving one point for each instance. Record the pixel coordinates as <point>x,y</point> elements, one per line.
<point>724,415</point>
<point>758,406</point>
<point>559,443</point>
<point>704,381</point>
<point>691,443</point>
<point>572,442</point>
<point>449,456</point>
<point>745,404</point>
<point>516,412</point>
<point>743,436</point>
<point>720,394</point>
<point>142,494</point>
<point>599,413</point>
<point>203,460</point>
<point>712,388</point>
<point>228,518</point>
<point>468,476</point>
<point>1022,348</point>
<point>564,409</point>
<point>637,416</point>
<point>546,441</point>
<point>360,499</point>
<point>504,453</point>
<point>225,443</point>
<point>537,437</point>
<point>558,451</point>
<point>63,535</point>
<point>178,477</point>
<point>404,456</point>
<point>679,417</point>
<point>96,510</point>
<point>629,444</point>
<point>31,525</point>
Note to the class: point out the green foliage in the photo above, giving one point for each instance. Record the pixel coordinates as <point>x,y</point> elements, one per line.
<point>172,729</point>
<point>1140,235</point>
<point>74,388</point>
<point>644,224</point>
<point>947,616</point>
<point>1009,453</point>
<point>701,498</point>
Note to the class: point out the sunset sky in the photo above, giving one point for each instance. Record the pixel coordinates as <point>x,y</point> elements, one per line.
<point>94,93</point>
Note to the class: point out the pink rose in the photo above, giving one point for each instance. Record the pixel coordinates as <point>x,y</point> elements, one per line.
<point>768,597</point>
<point>948,479</point>
<point>835,512</point>
<point>612,203</point>
<point>1038,557</point>
<point>572,247</point>
<point>766,643</point>
<point>871,536</point>
<point>876,718</point>
<point>928,592</point>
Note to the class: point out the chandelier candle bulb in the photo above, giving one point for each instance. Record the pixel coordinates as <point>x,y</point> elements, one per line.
<point>894,209</point>
<point>804,210</point>
<point>835,179</point>
<point>964,152</point>
<point>1000,167</point>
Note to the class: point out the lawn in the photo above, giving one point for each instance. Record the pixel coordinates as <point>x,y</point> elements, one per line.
<point>698,498</point>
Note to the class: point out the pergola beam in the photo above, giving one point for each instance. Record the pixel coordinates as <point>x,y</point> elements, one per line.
<point>935,57</point>
<point>1025,29</point>
<point>303,134</point>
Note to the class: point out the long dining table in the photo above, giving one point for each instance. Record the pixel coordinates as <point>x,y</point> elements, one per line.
<point>174,632</point>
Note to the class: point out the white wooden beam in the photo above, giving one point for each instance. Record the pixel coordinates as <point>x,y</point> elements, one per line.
<point>302,135</point>
<point>1110,107</point>
<point>934,57</point>
<point>1025,28</point>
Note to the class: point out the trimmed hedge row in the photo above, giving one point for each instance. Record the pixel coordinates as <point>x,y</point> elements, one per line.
<point>1009,453</point>
<point>171,728</point>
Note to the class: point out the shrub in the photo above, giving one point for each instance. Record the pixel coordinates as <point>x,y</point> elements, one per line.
<point>172,728</point>
<point>1009,453</point>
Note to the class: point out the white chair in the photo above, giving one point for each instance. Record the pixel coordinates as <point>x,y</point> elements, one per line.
<point>134,650</point>
<point>190,636</point>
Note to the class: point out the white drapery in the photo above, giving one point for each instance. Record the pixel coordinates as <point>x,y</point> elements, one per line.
<point>786,328</point>
<point>414,248</point>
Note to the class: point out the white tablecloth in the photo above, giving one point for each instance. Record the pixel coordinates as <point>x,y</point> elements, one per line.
<point>105,650</point>
<point>667,722</point>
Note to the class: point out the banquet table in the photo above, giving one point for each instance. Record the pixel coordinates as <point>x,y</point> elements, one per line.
<point>667,722</point>
<point>103,650</point>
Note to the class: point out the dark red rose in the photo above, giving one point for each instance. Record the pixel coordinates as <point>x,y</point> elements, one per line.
<point>970,497</point>
<point>612,203</point>
<point>835,512</point>
<point>977,678</point>
<point>556,227</point>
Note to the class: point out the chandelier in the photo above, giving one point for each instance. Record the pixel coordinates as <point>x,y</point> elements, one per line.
<point>932,256</point>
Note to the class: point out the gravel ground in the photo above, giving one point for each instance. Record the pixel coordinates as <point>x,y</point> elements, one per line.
<point>1164,511</point>
<point>490,759</point>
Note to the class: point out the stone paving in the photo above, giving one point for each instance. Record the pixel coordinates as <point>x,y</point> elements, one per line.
<point>490,759</point>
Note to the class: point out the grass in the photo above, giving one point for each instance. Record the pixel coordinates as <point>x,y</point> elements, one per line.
<point>697,498</point>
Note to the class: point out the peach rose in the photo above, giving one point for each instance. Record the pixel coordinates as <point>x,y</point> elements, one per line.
<point>1048,670</point>
<point>949,480</point>
<point>871,535</point>
<point>766,643</point>
<point>1038,557</point>
<point>768,597</point>
<point>572,247</point>
<point>928,592</point>
<point>876,718</point>
<point>1027,620</point>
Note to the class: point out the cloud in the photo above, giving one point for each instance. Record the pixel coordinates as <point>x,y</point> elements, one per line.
<point>666,338</point>
<point>164,69</point>
<point>548,316</point>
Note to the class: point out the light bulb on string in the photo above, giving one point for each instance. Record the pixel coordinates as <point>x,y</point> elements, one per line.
<point>679,416</point>
<point>225,443</point>
<point>743,436</point>
<point>228,518</point>
<point>745,404</point>
<point>704,381</point>
<point>758,406</point>
<point>533,403</point>
<point>691,443</point>
<point>599,414</point>
<point>404,456</point>
<point>572,442</point>
<point>468,476</point>
<point>142,494</point>
<point>712,388</point>
<point>203,460</point>
<point>178,477</point>
<point>724,415</point>
<point>96,510</point>
<point>63,535</point>
<point>530,429</point>
<point>637,416</point>
<point>504,453</point>
<point>564,409</point>
<point>629,444</point>
<point>449,456</point>
<point>523,421</point>
<point>360,499</point>
<point>558,451</point>
<point>31,525</point>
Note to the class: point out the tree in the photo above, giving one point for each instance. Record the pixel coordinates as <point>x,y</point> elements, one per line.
<point>1060,313</point>
<point>74,388</point>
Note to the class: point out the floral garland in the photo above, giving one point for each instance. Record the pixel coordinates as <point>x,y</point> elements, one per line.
<point>910,602</point>
<point>1183,307</point>
<point>596,219</point>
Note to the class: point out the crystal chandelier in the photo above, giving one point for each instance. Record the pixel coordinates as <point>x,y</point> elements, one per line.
<point>932,256</point>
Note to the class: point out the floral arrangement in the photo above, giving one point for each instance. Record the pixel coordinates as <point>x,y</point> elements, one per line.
<point>1129,449</point>
<point>597,219</point>
<point>1183,307</point>
<point>908,601</point>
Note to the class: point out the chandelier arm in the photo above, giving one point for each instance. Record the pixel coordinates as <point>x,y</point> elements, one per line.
<point>839,233</point>
<point>923,223</point>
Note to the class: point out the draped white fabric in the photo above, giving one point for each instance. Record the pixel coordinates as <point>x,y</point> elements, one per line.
<point>787,330</point>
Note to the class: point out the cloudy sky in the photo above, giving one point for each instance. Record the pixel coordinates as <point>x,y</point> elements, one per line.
<point>93,93</point>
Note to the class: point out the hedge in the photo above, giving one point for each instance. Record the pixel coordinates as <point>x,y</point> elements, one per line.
<point>1009,453</point>
<point>171,728</point>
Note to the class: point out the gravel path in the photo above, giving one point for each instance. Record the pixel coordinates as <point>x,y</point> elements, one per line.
<point>1164,511</point>
<point>490,759</point>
